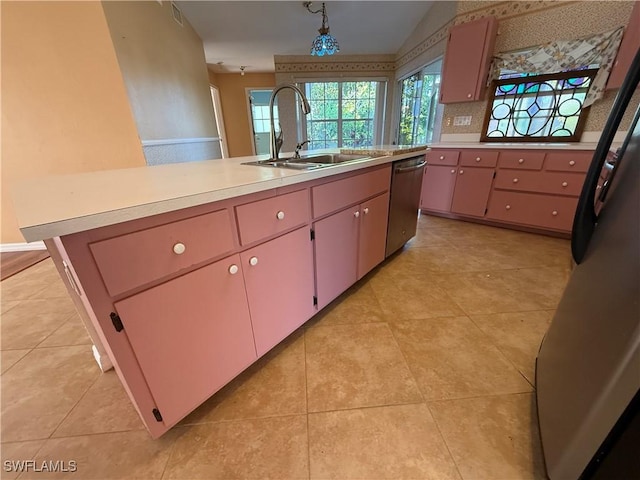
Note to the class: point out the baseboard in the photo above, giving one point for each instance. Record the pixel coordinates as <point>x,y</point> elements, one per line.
<point>22,247</point>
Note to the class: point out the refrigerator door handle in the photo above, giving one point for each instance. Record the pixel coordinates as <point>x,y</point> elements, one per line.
<point>584,221</point>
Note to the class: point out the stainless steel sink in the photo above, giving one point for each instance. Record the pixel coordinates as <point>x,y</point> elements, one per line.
<point>309,162</point>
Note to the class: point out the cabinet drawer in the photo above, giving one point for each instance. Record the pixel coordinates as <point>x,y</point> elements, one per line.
<point>134,259</point>
<point>568,161</point>
<point>478,158</point>
<point>522,159</point>
<point>545,211</point>
<point>560,183</point>
<point>443,157</point>
<point>262,219</point>
<point>334,196</point>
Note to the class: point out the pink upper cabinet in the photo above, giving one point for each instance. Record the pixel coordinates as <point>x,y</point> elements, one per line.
<point>467,60</point>
<point>628,48</point>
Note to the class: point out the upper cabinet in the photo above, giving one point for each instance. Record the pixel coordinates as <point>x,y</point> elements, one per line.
<point>467,60</point>
<point>628,48</point>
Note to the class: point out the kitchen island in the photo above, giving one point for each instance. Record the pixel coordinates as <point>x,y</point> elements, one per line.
<point>185,274</point>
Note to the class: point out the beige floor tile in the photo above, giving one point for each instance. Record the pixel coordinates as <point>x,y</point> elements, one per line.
<point>56,289</point>
<point>259,448</point>
<point>71,332</point>
<point>433,222</point>
<point>6,305</point>
<point>452,358</point>
<point>427,237</point>
<point>502,291</point>
<point>434,259</point>
<point>357,305</point>
<point>104,408</point>
<point>29,282</point>
<point>509,255</point>
<point>108,456</point>
<point>517,336</point>
<point>15,454</point>
<point>494,437</point>
<point>8,358</point>
<point>41,390</point>
<point>32,320</point>
<point>396,442</point>
<point>412,296</point>
<point>274,386</point>
<point>350,366</point>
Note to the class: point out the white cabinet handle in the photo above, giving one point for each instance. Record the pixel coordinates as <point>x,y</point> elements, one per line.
<point>477,159</point>
<point>356,213</point>
<point>468,95</point>
<point>453,170</point>
<point>508,207</point>
<point>366,210</point>
<point>441,157</point>
<point>564,184</point>
<point>521,160</point>
<point>253,261</point>
<point>572,162</point>
<point>179,248</point>
<point>515,180</point>
<point>233,269</point>
<point>280,215</point>
<point>554,213</point>
<point>461,172</point>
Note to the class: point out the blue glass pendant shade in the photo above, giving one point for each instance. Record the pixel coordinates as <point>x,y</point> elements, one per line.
<point>324,44</point>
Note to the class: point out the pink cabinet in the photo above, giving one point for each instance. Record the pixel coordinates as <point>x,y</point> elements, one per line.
<point>437,187</point>
<point>279,279</point>
<point>628,48</point>
<point>190,335</point>
<point>472,189</point>
<point>374,215</point>
<point>467,60</point>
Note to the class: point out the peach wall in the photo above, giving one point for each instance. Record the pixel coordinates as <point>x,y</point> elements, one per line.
<point>234,107</point>
<point>64,104</point>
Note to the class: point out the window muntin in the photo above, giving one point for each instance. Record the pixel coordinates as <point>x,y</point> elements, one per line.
<point>529,107</point>
<point>343,113</point>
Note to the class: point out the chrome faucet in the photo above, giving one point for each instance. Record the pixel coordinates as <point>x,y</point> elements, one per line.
<point>275,143</point>
<point>298,148</point>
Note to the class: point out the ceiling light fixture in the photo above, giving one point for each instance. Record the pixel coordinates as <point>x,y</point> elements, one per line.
<point>242,67</point>
<point>324,44</point>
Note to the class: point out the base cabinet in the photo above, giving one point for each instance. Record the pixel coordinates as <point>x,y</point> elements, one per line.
<point>279,279</point>
<point>190,335</point>
<point>437,187</point>
<point>472,189</point>
<point>373,233</point>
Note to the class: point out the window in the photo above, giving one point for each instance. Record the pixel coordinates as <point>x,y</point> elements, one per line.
<point>530,107</point>
<point>418,105</point>
<point>260,118</point>
<point>344,113</point>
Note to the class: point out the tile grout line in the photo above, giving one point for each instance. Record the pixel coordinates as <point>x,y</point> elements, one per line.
<point>306,406</point>
<point>444,440</point>
<point>21,358</point>
<point>404,358</point>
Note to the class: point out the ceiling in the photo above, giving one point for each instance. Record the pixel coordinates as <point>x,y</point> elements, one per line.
<point>238,33</point>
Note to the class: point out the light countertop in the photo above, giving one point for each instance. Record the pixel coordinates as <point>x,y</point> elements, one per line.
<point>63,204</point>
<point>517,145</point>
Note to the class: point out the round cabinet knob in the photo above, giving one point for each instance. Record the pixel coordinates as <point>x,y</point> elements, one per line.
<point>356,214</point>
<point>179,248</point>
<point>564,184</point>
<point>468,95</point>
<point>572,162</point>
<point>233,269</point>
<point>366,210</point>
<point>441,157</point>
<point>508,207</point>
<point>521,160</point>
<point>554,213</point>
<point>453,171</point>
<point>461,172</point>
<point>280,215</point>
<point>477,159</point>
<point>515,180</point>
<point>253,261</point>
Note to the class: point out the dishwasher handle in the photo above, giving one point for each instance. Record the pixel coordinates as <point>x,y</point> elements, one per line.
<point>411,168</point>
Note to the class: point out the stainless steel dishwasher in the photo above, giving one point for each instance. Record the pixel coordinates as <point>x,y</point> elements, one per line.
<point>406,183</point>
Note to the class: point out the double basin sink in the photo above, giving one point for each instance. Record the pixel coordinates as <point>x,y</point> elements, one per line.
<point>310,162</point>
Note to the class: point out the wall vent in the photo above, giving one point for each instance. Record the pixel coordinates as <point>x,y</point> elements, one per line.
<point>177,14</point>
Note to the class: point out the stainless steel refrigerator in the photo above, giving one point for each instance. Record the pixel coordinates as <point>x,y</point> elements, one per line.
<point>588,366</point>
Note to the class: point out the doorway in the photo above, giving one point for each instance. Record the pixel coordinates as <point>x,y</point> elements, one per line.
<point>260,120</point>
<point>217,111</point>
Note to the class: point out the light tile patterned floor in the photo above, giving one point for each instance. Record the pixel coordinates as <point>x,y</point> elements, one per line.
<point>424,369</point>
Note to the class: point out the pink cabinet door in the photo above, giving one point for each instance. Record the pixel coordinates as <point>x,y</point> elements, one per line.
<point>373,233</point>
<point>628,48</point>
<point>279,280</point>
<point>472,191</point>
<point>336,247</point>
<point>437,187</point>
<point>467,60</point>
<point>190,335</point>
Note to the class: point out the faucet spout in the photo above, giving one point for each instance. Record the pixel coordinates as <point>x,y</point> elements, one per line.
<point>275,143</point>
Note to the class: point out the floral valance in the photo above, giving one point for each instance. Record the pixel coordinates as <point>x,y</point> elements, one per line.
<point>563,55</point>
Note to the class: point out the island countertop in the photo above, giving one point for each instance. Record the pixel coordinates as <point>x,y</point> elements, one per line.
<point>63,204</point>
